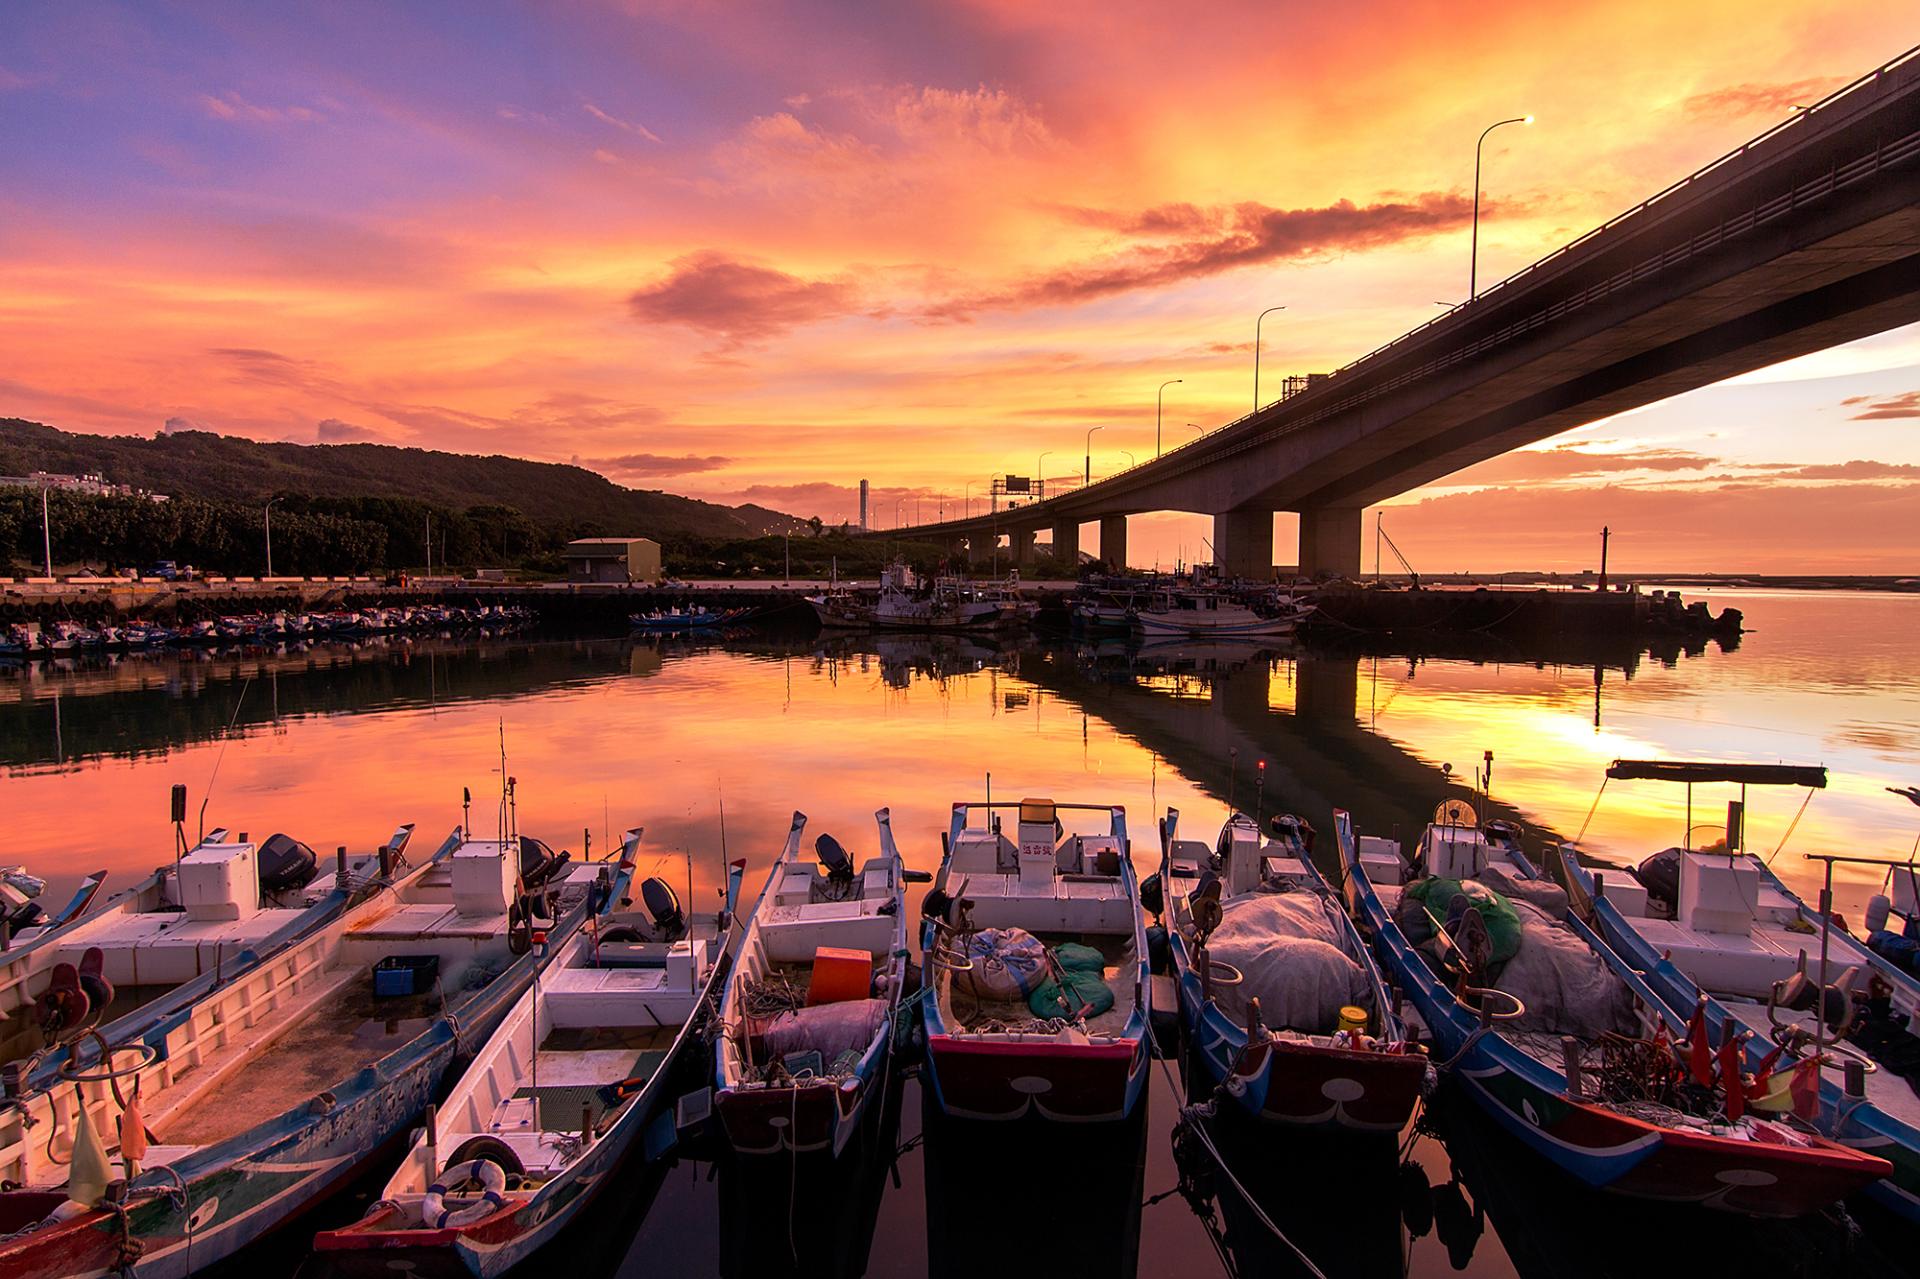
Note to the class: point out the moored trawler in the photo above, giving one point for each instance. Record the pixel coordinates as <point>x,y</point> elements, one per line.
<point>1037,990</point>
<point>273,1088</point>
<point>943,604</point>
<point>1210,612</point>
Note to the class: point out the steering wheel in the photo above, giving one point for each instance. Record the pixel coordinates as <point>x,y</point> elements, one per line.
<point>1480,994</point>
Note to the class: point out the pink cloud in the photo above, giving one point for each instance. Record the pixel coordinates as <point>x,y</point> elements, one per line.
<point>739,300</point>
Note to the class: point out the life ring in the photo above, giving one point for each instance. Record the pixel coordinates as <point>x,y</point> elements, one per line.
<point>488,1175</point>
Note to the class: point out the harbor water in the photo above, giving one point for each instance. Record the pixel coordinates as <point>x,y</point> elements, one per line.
<point>337,744</point>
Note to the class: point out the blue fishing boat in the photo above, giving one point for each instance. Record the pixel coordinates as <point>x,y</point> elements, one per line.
<point>1570,1078</point>
<point>1715,928</point>
<point>247,1086</point>
<point>1311,1038</point>
<point>672,621</point>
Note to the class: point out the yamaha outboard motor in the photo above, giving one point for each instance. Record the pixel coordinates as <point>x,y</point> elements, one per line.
<point>286,864</point>
<point>663,904</point>
<point>838,866</point>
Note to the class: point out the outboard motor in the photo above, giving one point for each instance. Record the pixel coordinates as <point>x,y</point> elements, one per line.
<point>663,904</point>
<point>1660,876</point>
<point>539,863</point>
<point>837,865</point>
<point>285,865</point>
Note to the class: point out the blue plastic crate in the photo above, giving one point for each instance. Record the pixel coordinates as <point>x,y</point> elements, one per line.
<point>398,975</point>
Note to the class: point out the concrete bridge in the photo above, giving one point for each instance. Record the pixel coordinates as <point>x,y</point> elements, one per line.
<point>1802,239</point>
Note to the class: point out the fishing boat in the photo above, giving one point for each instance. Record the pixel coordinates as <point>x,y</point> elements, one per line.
<point>575,1080</point>
<point>1207,613</point>
<point>273,1088</point>
<point>1589,1076</point>
<point>220,908</point>
<point>1300,1030</point>
<point>811,1002</point>
<point>1715,929</point>
<point>1037,993</point>
<point>674,621</point>
<point>944,604</point>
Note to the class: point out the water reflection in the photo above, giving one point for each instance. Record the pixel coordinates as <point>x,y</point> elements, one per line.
<point>338,745</point>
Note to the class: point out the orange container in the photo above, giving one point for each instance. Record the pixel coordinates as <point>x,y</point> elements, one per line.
<point>839,973</point>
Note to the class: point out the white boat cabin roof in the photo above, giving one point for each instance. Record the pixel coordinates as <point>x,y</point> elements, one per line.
<point>1045,880</point>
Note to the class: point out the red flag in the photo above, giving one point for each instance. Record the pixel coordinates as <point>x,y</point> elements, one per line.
<point>1805,1088</point>
<point>1730,1073</point>
<point>1699,1051</point>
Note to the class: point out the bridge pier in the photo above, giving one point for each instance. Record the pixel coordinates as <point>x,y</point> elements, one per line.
<point>1020,547</point>
<point>1243,544</point>
<point>1066,543</point>
<point>1330,541</point>
<point>1113,541</point>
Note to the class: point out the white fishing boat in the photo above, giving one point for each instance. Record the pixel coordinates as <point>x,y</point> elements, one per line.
<point>274,1086</point>
<point>1207,614</point>
<point>211,915</point>
<point>808,1015</point>
<point>902,604</point>
<point>578,1078</point>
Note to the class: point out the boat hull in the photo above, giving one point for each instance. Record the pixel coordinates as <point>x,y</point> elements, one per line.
<point>1069,1083</point>
<point>770,1121</point>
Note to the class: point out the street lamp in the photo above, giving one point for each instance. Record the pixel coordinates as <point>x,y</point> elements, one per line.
<point>896,510</point>
<point>1197,429</point>
<point>269,514</point>
<point>1131,461</point>
<point>1159,403</point>
<point>1040,476</point>
<point>1090,431</point>
<point>1473,262</point>
<point>968,490</point>
<point>1256,353</point>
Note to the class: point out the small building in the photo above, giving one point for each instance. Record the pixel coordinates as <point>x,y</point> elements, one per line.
<point>613,559</point>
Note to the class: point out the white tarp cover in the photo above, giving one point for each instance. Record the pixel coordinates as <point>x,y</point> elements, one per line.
<point>1567,988</point>
<point>1287,951</point>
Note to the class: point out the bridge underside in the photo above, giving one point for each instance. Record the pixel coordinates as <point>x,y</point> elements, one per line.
<point>1807,239</point>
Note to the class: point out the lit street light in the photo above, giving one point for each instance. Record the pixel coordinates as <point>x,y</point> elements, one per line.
<point>1473,262</point>
<point>1090,431</point>
<point>1159,405</point>
<point>1256,353</point>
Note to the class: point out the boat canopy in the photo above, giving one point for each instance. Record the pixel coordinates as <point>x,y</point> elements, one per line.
<point>1813,776</point>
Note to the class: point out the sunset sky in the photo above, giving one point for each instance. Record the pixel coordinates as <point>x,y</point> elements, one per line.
<point>755,252</point>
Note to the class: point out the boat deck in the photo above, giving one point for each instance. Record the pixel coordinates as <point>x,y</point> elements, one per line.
<point>165,948</point>
<point>971,1016</point>
<point>344,1031</point>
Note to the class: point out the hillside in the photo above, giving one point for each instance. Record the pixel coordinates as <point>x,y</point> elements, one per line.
<point>224,468</point>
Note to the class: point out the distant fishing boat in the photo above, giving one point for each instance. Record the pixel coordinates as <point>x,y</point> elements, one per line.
<point>1715,928</point>
<point>1588,1078</point>
<point>273,1089</point>
<point>209,917</point>
<point>565,1092</point>
<point>813,998</point>
<point>1207,613</point>
<point>945,604</point>
<point>1302,1032</point>
<point>1037,989</point>
<point>675,620</point>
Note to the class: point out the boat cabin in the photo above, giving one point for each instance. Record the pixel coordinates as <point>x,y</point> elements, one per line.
<point>1043,880</point>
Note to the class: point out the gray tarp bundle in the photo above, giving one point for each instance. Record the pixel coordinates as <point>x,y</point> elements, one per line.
<point>1288,952</point>
<point>1568,990</point>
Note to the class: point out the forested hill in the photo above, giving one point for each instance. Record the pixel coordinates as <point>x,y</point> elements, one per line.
<point>222,468</point>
